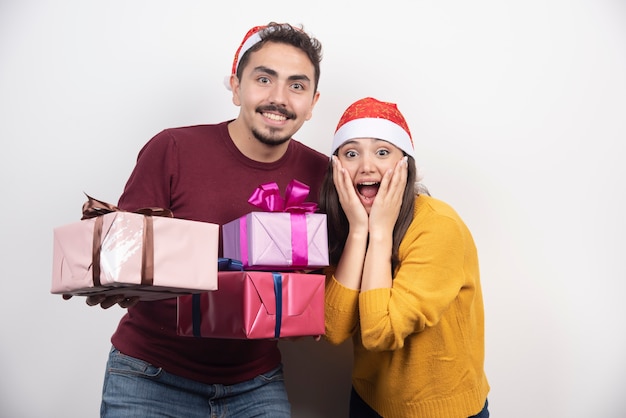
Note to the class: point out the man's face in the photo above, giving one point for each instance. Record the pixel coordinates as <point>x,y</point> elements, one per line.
<point>276,92</point>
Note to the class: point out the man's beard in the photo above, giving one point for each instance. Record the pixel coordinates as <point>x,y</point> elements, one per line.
<point>269,139</point>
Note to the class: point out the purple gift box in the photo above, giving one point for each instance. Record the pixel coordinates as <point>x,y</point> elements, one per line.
<point>287,236</point>
<point>267,240</point>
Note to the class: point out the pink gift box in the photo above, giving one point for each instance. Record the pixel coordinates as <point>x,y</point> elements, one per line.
<point>277,240</point>
<point>255,305</point>
<point>184,257</point>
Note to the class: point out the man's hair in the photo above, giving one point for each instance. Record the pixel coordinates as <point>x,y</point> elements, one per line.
<point>290,35</point>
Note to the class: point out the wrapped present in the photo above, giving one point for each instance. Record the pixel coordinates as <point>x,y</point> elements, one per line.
<point>286,236</point>
<point>146,253</point>
<point>255,305</point>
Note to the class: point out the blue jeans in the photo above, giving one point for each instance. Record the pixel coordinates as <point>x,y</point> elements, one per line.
<point>134,388</point>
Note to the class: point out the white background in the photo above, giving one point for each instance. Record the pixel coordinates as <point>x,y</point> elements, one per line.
<point>518,112</point>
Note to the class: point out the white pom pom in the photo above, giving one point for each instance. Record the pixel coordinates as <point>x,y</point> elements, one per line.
<point>419,175</point>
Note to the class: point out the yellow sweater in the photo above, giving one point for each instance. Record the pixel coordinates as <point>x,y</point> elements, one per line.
<point>419,346</point>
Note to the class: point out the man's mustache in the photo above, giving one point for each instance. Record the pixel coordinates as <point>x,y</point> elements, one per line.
<point>276,109</point>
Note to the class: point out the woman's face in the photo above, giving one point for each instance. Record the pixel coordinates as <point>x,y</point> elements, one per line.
<point>367,160</point>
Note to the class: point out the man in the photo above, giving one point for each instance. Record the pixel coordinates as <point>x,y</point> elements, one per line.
<point>207,173</point>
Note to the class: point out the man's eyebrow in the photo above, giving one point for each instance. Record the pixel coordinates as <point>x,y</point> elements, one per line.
<point>263,69</point>
<point>274,73</point>
<point>299,77</point>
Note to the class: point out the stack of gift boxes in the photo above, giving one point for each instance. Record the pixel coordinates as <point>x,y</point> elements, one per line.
<point>261,287</point>
<point>271,296</point>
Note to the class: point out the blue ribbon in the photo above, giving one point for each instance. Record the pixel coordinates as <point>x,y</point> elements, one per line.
<point>229,264</point>
<point>196,314</point>
<point>278,293</point>
<point>223,264</point>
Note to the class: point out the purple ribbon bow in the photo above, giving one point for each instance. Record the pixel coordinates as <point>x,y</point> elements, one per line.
<point>267,197</point>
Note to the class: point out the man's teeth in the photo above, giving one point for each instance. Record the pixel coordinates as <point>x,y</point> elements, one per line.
<point>274,117</point>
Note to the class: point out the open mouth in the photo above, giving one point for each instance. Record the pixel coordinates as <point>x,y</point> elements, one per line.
<point>368,189</point>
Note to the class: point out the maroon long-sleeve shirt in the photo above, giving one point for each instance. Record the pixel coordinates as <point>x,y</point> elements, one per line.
<point>199,174</point>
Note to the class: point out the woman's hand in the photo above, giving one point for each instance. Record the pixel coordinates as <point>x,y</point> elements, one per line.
<point>388,200</point>
<point>350,202</point>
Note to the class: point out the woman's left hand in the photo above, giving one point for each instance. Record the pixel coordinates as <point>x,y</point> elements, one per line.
<point>386,206</point>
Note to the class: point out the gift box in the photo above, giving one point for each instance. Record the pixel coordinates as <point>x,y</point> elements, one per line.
<point>255,305</point>
<point>141,254</point>
<point>287,235</point>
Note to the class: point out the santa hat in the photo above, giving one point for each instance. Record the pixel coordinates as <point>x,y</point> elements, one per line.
<point>251,38</point>
<point>371,118</point>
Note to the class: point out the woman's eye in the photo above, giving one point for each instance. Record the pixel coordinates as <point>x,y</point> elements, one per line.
<point>383,152</point>
<point>350,154</point>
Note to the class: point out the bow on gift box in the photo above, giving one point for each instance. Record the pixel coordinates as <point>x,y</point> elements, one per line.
<point>267,197</point>
<point>94,208</point>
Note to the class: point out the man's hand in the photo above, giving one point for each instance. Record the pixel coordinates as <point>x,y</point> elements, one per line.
<point>106,302</point>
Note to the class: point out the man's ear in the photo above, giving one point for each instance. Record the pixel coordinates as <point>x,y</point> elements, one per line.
<point>234,87</point>
<point>315,99</point>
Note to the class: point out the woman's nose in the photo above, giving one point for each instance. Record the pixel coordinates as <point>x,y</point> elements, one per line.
<point>366,164</point>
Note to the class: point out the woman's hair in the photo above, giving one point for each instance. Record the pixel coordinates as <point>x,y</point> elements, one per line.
<point>338,226</point>
<point>291,35</point>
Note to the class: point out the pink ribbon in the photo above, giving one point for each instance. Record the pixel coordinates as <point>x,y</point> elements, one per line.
<point>267,197</point>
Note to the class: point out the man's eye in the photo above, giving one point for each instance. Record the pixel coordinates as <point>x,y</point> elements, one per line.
<point>297,86</point>
<point>264,80</point>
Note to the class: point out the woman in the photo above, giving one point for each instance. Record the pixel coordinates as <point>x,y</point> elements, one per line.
<point>404,279</point>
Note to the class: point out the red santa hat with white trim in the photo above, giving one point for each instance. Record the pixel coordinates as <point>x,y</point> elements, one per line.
<point>251,38</point>
<point>372,118</point>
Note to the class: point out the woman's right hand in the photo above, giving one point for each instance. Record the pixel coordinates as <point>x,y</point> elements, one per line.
<point>350,202</point>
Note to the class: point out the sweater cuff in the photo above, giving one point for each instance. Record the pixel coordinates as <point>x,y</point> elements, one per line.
<point>374,300</point>
<point>339,297</point>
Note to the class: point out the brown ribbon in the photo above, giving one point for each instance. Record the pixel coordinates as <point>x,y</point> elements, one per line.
<point>94,208</point>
